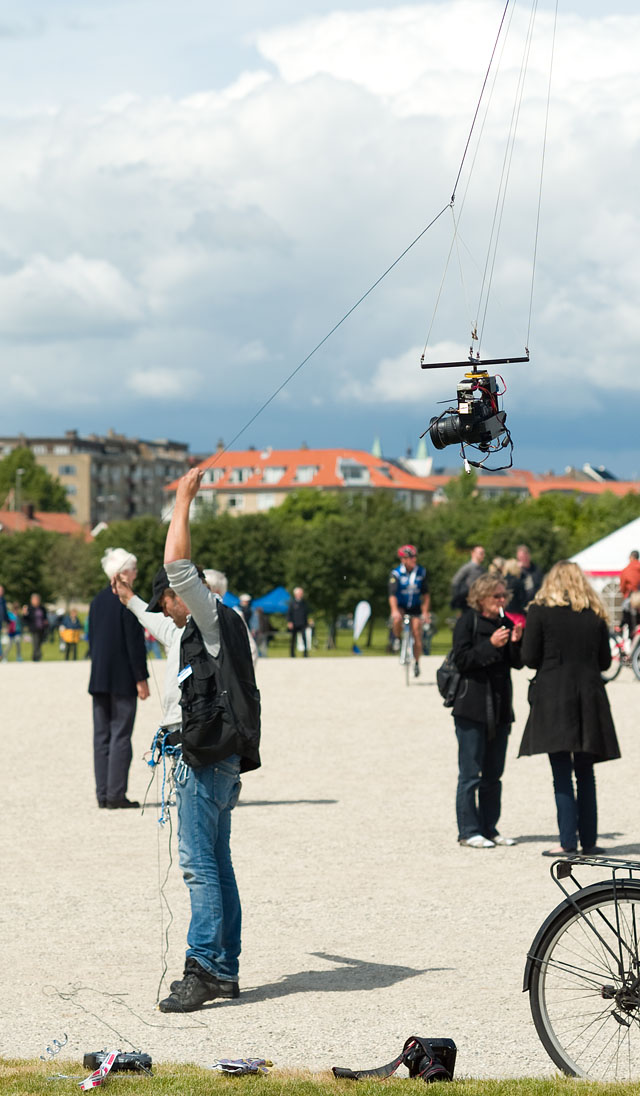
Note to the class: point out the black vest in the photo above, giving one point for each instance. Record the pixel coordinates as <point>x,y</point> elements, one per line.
<point>220,702</point>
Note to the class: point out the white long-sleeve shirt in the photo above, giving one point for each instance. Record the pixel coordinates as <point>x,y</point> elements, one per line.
<point>169,635</point>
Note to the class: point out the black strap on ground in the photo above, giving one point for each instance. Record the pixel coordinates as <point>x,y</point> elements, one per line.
<point>427,1059</point>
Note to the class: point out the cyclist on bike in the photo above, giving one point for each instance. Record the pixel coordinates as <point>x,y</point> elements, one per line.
<point>409,596</point>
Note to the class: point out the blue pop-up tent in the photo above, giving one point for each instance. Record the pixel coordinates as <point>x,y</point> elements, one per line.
<point>276,601</point>
<point>231,600</point>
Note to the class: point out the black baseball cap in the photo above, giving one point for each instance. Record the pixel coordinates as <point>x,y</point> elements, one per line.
<point>160,584</point>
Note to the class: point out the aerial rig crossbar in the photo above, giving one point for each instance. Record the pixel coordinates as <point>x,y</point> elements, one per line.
<point>471,360</point>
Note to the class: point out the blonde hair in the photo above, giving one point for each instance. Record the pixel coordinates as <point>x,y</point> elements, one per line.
<point>483,587</point>
<point>566,584</point>
<point>512,567</point>
<point>496,567</point>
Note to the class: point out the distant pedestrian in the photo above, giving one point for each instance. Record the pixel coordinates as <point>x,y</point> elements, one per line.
<point>14,631</point>
<point>465,576</point>
<point>118,680</point>
<point>219,585</point>
<point>298,620</point>
<point>245,608</point>
<point>629,585</point>
<point>531,575</point>
<point>4,616</point>
<point>34,617</point>
<point>70,632</point>
<point>516,595</point>
<point>567,642</point>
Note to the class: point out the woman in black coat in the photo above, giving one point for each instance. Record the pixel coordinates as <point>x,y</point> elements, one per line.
<point>486,645</point>
<point>567,642</point>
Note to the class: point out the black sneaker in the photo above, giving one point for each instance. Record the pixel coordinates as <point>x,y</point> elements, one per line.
<point>229,990</point>
<point>192,993</point>
<point>122,804</point>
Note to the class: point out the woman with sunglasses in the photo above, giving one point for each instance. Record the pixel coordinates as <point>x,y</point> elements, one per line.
<point>486,645</point>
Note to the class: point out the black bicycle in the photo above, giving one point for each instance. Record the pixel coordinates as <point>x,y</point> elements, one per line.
<point>583,972</point>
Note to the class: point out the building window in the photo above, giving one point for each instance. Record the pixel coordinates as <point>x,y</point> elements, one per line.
<point>235,502</point>
<point>353,473</point>
<point>66,469</point>
<point>272,475</point>
<point>240,475</point>
<point>266,501</point>
<point>71,489</point>
<point>61,450</point>
<point>212,475</point>
<point>305,473</point>
<point>39,450</point>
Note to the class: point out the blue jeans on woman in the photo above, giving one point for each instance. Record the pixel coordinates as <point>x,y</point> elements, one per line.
<point>480,767</point>
<point>205,799</point>
<point>577,810</point>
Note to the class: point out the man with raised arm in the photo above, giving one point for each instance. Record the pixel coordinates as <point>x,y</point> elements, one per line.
<point>219,738</point>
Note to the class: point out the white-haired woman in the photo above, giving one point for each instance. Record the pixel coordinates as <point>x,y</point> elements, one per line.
<point>567,641</point>
<point>118,680</point>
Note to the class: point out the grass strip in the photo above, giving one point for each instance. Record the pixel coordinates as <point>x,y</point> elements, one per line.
<point>20,1077</point>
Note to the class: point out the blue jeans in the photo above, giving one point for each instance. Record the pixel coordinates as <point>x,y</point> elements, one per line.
<point>480,767</point>
<point>205,799</point>
<point>577,811</point>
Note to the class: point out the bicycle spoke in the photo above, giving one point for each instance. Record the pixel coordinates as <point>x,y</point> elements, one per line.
<point>587,1006</point>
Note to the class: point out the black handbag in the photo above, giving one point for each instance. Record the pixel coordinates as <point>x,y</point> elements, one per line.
<point>448,676</point>
<point>448,680</point>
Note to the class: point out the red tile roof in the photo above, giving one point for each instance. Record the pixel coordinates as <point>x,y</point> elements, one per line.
<point>325,463</point>
<point>15,521</point>
<point>382,473</point>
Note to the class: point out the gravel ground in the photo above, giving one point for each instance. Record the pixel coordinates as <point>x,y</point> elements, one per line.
<point>364,921</point>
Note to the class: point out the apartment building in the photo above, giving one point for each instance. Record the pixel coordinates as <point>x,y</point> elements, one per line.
<point>252,480</point>
<point>107,478</point>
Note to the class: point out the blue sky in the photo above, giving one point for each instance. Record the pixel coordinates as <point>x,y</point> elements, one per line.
<point>191,199</point>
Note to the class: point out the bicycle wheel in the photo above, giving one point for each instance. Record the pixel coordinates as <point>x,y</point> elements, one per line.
<point>616,660</point>
<point>405,653</point>
<point>585,983</point>
<point>635,660</point>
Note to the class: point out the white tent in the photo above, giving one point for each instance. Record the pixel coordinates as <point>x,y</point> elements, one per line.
<point>603,561</point>
<point>606,558</point>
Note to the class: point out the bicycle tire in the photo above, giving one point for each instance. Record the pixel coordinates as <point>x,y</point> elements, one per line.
<point>616,661</point>
<point>587,1024</point>
<point>405,653</point>
<point>635,660</point>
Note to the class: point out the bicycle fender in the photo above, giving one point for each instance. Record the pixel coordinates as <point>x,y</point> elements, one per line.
<point>573,902</point>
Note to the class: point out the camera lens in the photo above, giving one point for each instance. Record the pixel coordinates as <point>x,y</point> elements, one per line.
<point>445,431</point>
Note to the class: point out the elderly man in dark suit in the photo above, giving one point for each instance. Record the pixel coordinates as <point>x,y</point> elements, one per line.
<point>118,679</point>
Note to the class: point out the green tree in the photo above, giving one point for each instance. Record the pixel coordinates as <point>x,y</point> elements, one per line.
<point>72,569</point>
<point>247,548</point>
<point>36,486</point>
<point>23,564</point>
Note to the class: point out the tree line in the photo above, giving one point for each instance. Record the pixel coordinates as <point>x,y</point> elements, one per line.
<point>340,548</point>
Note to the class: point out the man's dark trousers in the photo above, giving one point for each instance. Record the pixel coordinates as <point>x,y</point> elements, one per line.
<point>295,632</point>
<point>113,719</point>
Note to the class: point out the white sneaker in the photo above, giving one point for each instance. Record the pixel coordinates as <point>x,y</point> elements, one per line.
<point>498,839</point>
<point>477,841</point>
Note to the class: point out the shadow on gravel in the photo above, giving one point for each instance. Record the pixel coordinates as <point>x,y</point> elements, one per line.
<point>283,802</point>
<point>353,975</point>
<point>530,838</point>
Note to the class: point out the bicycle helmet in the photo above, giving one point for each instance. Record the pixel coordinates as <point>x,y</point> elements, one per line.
<point>407,550</point>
